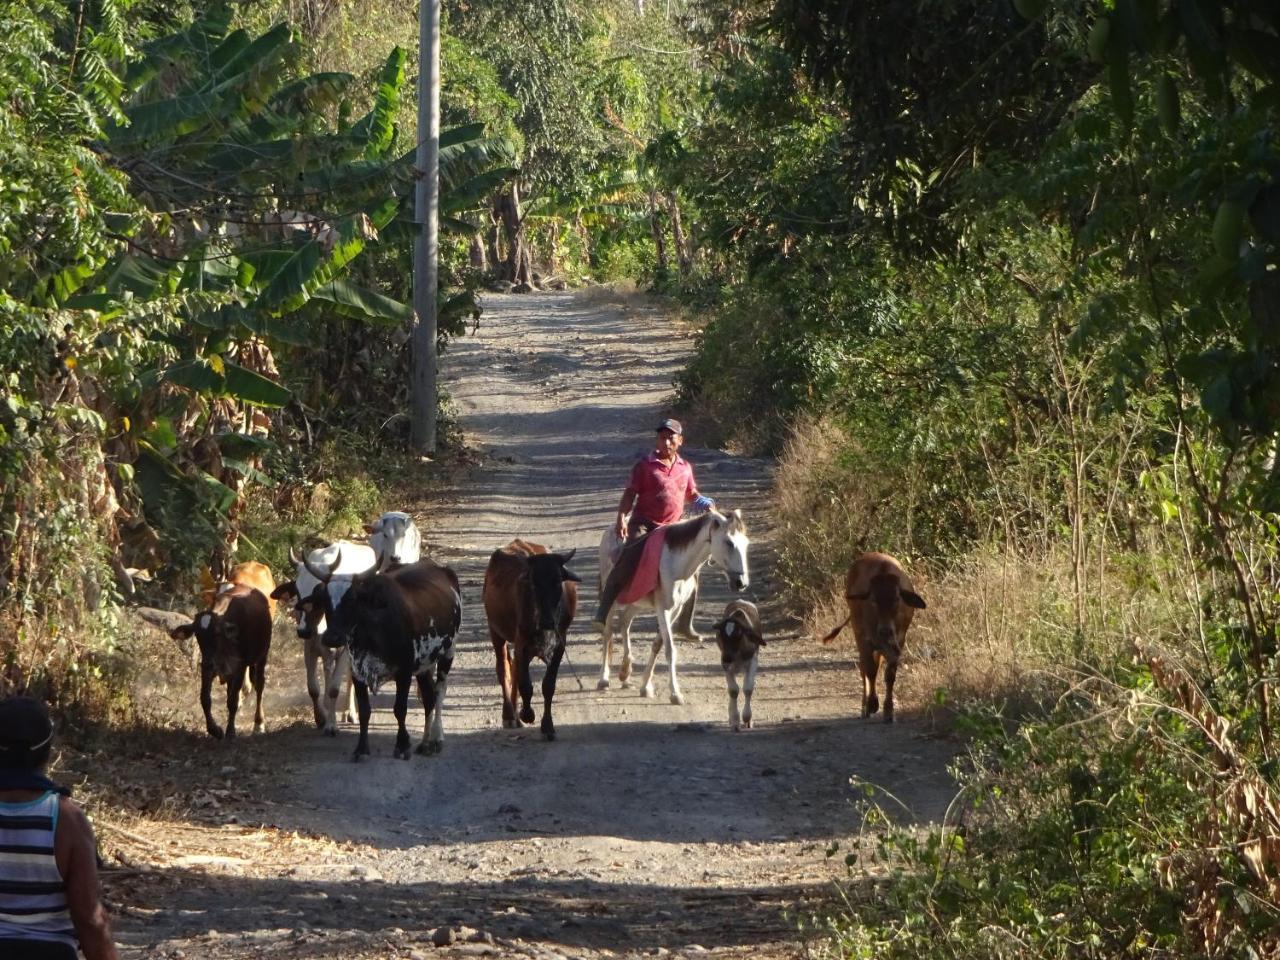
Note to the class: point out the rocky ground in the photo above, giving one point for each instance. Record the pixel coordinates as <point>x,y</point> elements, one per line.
<point>645,829</point>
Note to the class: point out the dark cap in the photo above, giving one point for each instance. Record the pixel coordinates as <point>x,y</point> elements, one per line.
<point>672,425</point>
<point>24,724</point>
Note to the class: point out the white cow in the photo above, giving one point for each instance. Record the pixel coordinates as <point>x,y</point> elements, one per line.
<point>395,539</point>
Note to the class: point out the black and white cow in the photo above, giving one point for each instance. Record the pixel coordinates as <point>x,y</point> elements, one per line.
<point>399,625</point>
<point>393,540</point>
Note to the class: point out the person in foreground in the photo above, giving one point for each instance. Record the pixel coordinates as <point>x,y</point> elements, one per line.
<point>660,487</point>
<point>49,899</point>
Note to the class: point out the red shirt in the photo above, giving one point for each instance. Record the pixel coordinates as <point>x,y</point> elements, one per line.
<point>661,491</point>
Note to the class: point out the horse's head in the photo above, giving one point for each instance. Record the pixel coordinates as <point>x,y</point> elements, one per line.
<point>729,544</point>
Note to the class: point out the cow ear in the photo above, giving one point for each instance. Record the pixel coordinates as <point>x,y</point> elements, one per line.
<point>184,632</point>
<point>371,527</point>
<point>286,590</point>
<point>860,596</point>
<point>912,599</point>
<point>567,574</point>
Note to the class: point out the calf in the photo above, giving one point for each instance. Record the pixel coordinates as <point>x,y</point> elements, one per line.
<point>325,570</point>
<point>738,637</point>
<point>251,573</point>
<point>399,625</point>
<point>530,598</point>
<point>234,636</point>
<point>881,605</point>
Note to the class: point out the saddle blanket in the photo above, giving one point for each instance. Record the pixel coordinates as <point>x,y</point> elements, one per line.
<point>645,580</point>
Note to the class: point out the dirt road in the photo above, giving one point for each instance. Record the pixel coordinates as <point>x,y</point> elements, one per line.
<point>646,828</point>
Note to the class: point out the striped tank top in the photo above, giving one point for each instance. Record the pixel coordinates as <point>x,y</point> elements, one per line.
<point>33,896</point>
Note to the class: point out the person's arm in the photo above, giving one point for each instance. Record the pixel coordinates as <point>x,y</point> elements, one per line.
<point>625,506</point>
<point>77,857</point>
<point>628,501</point>
<point>694,499</point>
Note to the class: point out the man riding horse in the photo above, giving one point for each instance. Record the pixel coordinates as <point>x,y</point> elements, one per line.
<point>660,487</point>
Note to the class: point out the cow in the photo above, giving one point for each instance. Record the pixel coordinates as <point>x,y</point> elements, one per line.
<point>251,573</point>
<point>530,598</point>
<point>881,604</point>
<point>398,624</point>
<point>319,572</point>
<point>395,537</point>
<point>234,637</point>
<point>739,639</point>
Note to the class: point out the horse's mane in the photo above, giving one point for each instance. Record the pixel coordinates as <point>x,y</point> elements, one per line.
<point>684,532</point>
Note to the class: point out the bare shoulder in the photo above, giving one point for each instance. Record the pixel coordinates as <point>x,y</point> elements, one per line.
<point>72,820</point>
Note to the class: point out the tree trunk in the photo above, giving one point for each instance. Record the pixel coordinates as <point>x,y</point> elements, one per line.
<point>659,235</point>
<point>479,258</point>
<point>519,266</point>
<point>684,252</point>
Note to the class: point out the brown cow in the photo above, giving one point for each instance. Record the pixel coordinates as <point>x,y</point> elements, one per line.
<point>251,573</point>
<point>881,605</point>
<point>530,599</point>
<point>234,635</point>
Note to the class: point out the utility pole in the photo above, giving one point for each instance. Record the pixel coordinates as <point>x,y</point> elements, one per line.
<point>427,249</point>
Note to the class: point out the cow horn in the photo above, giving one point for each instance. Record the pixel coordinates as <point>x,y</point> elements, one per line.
<point>293,556</point>
<point>318,572</point>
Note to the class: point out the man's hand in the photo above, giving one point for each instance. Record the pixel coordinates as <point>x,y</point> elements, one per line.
<point>621,528</point>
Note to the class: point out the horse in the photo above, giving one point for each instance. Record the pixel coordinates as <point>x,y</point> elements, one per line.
<point>685,547</point>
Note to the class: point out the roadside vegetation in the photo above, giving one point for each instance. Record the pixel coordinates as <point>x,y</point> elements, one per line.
<point>998,281</point>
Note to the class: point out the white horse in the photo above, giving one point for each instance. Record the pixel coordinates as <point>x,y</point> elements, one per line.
<point>688,545</point>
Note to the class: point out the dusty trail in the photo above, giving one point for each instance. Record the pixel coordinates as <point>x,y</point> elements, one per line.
<point>645,828</point>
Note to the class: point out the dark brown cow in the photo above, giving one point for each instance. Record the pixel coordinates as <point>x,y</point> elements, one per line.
<point>234,635</point>
<point>738,637</point>
<point>530,599</point>
<point>881,605</point>
<point>397,626</point>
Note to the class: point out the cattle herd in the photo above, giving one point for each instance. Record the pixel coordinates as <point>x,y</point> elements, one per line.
<point>369,613</point>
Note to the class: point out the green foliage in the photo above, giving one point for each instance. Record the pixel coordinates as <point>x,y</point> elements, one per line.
<point>1117,825</point>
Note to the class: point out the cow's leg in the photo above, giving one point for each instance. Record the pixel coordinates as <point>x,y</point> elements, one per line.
<point>344,671</point>
<point>311,656</point>
<point>434,688</point>
<point>206,701</point>
<point>400,709</point>
<point>731,680</point>
<point>868,666</point>
<point>505,669</point>
<point>549,691</point>
<point>234,685</point>
<point>524,657</point>
<point>748,687</point>
<point>890,675</point>
<point>362,704</point>
<point>259,673</point>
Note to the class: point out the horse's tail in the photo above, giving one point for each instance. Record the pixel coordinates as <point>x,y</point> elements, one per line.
<point>832,635</point>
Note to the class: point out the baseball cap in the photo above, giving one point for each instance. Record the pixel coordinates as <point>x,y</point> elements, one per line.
<point>672,425</point>
<point>24,724</point>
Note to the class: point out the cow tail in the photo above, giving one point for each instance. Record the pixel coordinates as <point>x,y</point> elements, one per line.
<point>832,635</point>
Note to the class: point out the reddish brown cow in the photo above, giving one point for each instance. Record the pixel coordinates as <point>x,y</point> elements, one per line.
<point>251,573</point>
<point>234,635</point>
<point>881,605</point>
<point>530,599</point>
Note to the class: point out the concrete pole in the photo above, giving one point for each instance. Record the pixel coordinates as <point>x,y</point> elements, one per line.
<point>427,248</point>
